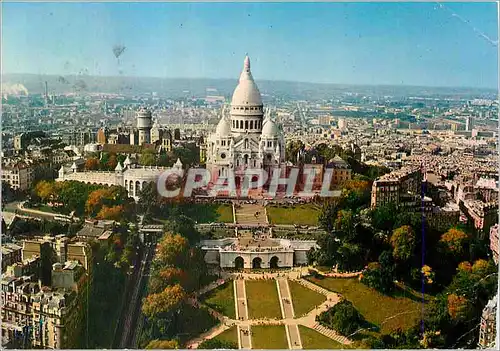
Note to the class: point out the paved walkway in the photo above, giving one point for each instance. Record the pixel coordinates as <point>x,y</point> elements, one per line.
<point>241,300</point>
<point>285,298</point>
<point>244,337</point>
<point>293,336</point>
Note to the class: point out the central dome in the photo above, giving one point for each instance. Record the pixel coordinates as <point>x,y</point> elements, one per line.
<point>246,93</point>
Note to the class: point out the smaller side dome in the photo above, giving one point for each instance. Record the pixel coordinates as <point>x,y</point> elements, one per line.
<point>270,129</point>
<point>223,128</point>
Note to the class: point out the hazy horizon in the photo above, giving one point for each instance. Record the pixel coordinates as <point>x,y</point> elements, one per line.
<point>235,80</point>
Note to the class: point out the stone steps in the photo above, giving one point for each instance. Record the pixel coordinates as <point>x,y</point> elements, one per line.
<point>332,334</point>
<point>314,287</point>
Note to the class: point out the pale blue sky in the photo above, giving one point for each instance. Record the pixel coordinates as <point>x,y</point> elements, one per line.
<point>348,43</point>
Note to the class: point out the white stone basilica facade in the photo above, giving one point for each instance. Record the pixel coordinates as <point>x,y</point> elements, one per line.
<point>246,136</point>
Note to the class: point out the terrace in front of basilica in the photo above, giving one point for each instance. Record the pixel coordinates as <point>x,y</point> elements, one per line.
<point>253,246</point>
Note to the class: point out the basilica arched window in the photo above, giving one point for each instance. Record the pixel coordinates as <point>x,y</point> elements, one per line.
<point>246,124</point>
<point>251,124</point>
<point>246,143</point>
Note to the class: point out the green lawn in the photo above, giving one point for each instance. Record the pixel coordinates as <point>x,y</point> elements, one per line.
<point>262,299</point>
<point>312,340</point>
<point>376,307</point>
<point>270,337</point>
<point>295,214</point>
<point>207,213</point>
<point>222,299</point>
<point>225,213</point>
<point>193,322</point>
<point>304,299</point>
<point>230,335</point>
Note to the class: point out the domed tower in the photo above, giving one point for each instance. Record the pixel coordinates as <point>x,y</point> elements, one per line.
<point>144,125</point>
<point>246,106</point>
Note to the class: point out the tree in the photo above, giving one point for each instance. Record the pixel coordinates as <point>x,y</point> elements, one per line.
<point>217,344</point>
<point>112,162</point>
<point>344,224</point>
<point>172,250</point>
<point>465,266</point>
<point>403,243</point>
<point>92,164</point>
<point>454,241</point>
<point>163,344</point>
<point>328,214</point>
<point>147,158</point>
<point>185,226</point>
<point>428,274</point>
<point>380,275</point>
<point>111,213</point>
<point>292,148</point>
<point>480,267</point>
<point>109,203</point>
<point>164,302</point>
<point>383,217</point>
<point>103,161</point>
<point>342,317</point>
<point>458,307</point>
<point>45,190</point>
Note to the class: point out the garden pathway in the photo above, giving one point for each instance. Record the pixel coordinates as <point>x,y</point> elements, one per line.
<point>291,324</point>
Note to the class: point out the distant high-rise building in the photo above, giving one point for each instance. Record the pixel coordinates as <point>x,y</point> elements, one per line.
<point>144,124</point>
<point>468,123</point>
<point>46,95</point>
<point>101,136</point>
<point>342,124</point>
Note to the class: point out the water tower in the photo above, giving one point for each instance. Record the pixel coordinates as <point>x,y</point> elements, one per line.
<point>144,124</point>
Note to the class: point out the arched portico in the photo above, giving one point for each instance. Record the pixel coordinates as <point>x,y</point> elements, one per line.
<point>257,263</point>
<point>239,262</point>
<point>274,262</point>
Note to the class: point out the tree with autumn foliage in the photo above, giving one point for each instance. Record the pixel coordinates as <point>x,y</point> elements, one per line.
<point>403,242</point>
<point>109,203</point>
<point>163,344</point>
<point>454,241</point>
<point>428,274</point>
<point>45,190</point>
<point>459,307</point>
<point>164,302</point>
<point>173,250</point>
<point>111,213</point>
<point>91,164</point>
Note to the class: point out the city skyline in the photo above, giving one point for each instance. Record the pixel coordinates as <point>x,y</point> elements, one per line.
<point>342,43</point>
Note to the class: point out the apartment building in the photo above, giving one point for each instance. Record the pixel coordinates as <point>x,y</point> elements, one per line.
<point>18,175</point>
<point>11,253</point>
<point>341,171</point>
<point>494,240</point>
<point>17,295</point>
<point>487,329</point>
<point>401,187</point>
